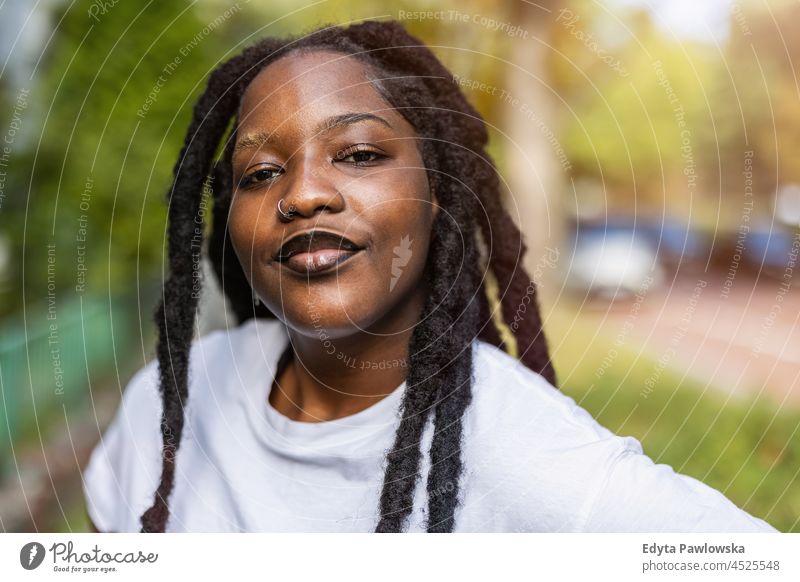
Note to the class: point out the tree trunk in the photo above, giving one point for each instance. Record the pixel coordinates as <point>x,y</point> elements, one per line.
<point>535,169</point>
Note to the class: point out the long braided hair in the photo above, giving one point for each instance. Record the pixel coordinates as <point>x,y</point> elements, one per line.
<point>472,238</point>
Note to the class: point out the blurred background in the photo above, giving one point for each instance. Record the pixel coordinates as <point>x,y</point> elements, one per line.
<point>650,149</point>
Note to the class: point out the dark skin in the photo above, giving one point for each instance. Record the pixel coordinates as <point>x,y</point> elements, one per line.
<point>363,178</point>
<point>374,197</point>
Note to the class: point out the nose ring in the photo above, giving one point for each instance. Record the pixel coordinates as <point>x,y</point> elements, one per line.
<point>286,215</point>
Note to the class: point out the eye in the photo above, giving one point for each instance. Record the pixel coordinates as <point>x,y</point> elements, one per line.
<point>260,175</point>
<point>359,155</point>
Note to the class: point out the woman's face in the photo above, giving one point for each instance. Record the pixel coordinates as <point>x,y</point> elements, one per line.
<point>314,134</point>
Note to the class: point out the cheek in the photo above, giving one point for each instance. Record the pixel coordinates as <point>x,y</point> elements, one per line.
<point>246,227</point>
<point>402,249</point>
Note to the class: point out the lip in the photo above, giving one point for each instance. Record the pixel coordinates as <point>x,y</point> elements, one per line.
<point>316,251</point>
<point>319,261</point>
<point>314,240</point>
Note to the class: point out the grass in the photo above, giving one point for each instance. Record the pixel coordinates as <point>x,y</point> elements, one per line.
<point>747,449</point>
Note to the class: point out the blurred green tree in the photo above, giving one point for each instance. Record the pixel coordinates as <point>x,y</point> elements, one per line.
<point>115,89</point>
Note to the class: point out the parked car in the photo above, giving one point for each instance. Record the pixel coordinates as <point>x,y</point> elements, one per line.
<point>612,261</point>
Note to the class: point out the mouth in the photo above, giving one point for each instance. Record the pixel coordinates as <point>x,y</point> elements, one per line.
<point>316,251</point>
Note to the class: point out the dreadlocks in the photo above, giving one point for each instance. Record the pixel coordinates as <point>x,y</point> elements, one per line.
<point>409,76</point>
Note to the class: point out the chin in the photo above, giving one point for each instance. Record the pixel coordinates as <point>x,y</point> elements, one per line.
<point>323,317</point>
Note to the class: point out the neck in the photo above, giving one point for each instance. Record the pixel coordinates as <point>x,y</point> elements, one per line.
<point>341,376</point>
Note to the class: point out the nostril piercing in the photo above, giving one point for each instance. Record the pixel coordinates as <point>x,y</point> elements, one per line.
<point>286,215</point>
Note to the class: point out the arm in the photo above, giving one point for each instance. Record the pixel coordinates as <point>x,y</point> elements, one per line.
<point>638,495</point>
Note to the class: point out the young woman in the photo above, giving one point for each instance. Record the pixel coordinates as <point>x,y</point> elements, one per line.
<point>365,386</point>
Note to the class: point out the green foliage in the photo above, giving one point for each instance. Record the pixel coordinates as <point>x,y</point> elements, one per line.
<point>621,127</point>
<point>629,115</point>
<point>116,96</point>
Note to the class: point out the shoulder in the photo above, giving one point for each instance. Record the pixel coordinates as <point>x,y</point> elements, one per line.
<point>560,470</point>
<point>532,446</point>
<point>510,397</point>
<point>124,468</point>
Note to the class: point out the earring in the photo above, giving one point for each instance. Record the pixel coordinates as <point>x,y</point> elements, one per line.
<point>256,299</point>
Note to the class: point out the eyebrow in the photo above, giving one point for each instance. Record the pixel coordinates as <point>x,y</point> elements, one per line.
<point>260,138</point>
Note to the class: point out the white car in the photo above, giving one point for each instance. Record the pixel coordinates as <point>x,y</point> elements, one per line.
<point>612,263</point>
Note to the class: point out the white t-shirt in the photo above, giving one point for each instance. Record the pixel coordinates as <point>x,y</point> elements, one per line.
<point>534,461</point>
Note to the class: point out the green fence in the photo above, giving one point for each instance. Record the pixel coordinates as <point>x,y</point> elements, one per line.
<point>49,362</point>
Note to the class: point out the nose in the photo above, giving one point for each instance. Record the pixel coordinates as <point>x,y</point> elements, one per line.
<point>310,190</point>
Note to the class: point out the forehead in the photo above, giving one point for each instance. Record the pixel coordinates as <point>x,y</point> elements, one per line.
<point>301,88</point>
